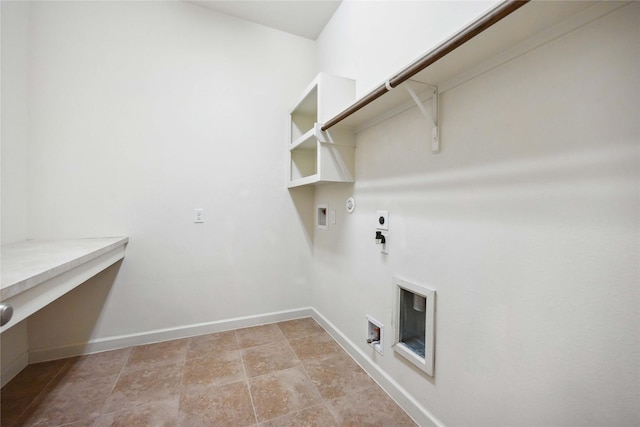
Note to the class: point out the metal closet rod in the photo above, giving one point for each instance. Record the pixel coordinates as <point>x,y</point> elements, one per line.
<point>498,13</point>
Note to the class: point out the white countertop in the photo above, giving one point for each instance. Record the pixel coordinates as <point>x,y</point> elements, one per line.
<point>27,264</point>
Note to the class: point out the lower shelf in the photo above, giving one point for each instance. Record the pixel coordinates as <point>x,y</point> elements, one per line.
<point>307,180</point>
<point>328,162</point>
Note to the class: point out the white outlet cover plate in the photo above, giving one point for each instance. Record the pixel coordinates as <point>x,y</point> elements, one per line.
<point>198,216</point>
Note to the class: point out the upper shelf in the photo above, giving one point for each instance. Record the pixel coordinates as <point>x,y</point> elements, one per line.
<point>509,29</point>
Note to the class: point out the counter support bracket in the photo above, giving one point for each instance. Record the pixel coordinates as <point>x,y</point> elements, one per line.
<point>432,118</point>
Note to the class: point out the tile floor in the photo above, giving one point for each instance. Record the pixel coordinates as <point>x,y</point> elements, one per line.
<point>284,374</point>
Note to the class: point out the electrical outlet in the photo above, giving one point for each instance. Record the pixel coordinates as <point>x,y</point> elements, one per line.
<point>198,216</point>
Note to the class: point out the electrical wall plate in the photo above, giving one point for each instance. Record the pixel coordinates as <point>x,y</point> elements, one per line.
<point>382,220</point>
<point>198,216</point>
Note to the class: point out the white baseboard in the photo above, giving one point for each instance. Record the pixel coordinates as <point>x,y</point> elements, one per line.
<point>159,335</point>
<point>13,368</point>
<point>407,402</point>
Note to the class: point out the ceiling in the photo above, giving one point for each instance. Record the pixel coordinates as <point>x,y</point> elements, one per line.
<point>305,18</point>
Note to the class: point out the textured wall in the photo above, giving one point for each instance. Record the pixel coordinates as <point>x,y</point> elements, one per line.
<point>526,224</point>
<point>139,113</point>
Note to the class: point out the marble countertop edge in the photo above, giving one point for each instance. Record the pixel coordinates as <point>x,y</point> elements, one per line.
<point>29,263</point>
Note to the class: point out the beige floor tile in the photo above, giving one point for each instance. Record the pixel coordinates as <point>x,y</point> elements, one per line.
<point>282,392</point>
<point>337,375</point>
<point>268,358</point>
<point>300,328</point>
<point>163,413</point>
<point>12,407</point>
<point>371,407</point>
<point>316,347</point>
<point>211,344</point>
<point>95,365</point>
<point>89,423</point>
<point>258,335</point>
<point>33,378</point>
<point>23,390</point>
<point>74,402</point>
<point>144,386</point>
<point>316,416</point>
<point>228,405</point>
<point>154,355</point>
<point>215,370</point>
<point>292,366</point>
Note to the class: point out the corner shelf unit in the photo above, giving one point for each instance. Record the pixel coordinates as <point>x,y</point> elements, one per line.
<point>317,156</point>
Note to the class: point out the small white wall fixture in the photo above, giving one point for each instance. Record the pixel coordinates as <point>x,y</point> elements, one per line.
<point>321,216</point>
<point>375,334</point>
<point>415,324</point>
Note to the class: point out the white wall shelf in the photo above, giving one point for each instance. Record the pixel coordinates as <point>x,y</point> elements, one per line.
<point>305,142</point>
<point>532,25</point>
<point>315,156</point>
<point>37,272</point>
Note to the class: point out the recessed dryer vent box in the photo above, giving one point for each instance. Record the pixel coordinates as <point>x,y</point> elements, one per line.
<point>415,324</point>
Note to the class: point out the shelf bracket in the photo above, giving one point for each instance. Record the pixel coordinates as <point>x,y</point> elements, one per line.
<point>432,118</point>
<point>320,134</point>
<point>324,136</point>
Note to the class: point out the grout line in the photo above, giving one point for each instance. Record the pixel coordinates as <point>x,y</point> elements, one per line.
<point>323,401</point>
<point>343,352</point>
<point>320,404</point>
<point>246,378</point>
<point>182,388</point>
<point>41,392</point>
<point>114,385</point>
<point>307,374</point>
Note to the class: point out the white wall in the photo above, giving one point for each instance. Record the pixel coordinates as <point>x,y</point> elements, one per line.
<point>370,41</point>
<point>15,120</point>
<point>526,224</point>
<point>14,93</point>
<point>139,113</point>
